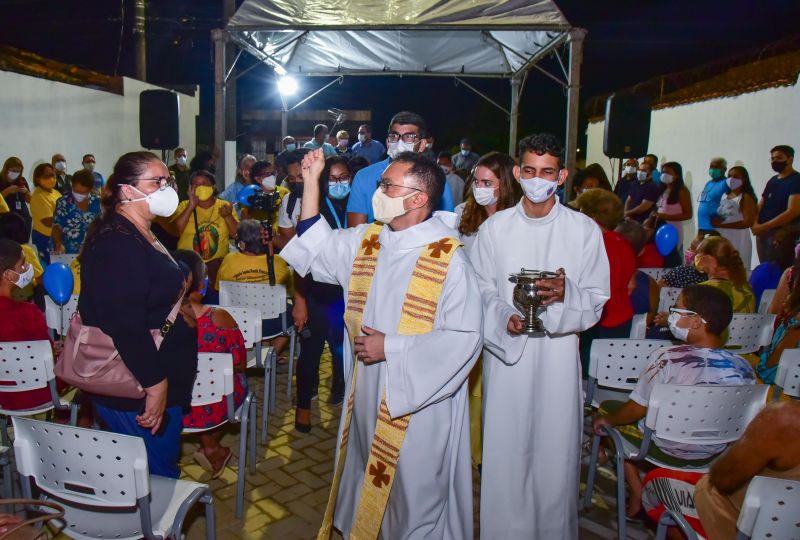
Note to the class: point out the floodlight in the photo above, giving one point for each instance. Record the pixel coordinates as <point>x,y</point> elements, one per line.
<point>287,85</point>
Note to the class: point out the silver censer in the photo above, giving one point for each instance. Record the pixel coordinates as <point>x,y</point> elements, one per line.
<point>526,299</point>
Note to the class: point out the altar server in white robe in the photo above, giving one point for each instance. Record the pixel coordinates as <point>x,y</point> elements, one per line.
<point>532,384</point>
<point>422,375</point>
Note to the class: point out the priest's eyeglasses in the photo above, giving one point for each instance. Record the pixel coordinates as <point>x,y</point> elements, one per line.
<point>163,182</point>
<point>685,312</point>
<point>385,185</point>
<point>394,136</point>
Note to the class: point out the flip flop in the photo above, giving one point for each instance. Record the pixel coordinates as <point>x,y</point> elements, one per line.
<point>219,472</point>
<point>203,461</point>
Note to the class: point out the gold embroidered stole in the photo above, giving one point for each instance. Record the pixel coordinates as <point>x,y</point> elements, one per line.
<point>417,317</point>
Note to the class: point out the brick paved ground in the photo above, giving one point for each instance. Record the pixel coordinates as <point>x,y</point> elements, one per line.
<point>286,497</point>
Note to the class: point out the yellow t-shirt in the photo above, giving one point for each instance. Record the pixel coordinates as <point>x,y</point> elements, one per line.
<point>43,206</point>
<point>253,269</point>
<point>75,267</point>
<point>3,206</point>
<point>33,258</point>
<point>214,234</point>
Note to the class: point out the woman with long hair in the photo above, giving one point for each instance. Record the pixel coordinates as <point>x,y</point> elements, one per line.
<point>737,212</point>
<point>787,333</point>
<point>129,285</point>
<point>15,190</point>
<point>674,206</point>
<point>718,258</point>
<point>492,188</point>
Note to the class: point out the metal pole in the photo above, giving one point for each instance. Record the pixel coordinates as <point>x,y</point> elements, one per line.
<point>284,123</point>
<point>141,43</point>
<point>219,103</point>
<point>229,8</point>
<point>516,84</point>
<point>576,36</point>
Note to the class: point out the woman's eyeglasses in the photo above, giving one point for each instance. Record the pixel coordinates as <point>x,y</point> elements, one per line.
<point>163,181</point>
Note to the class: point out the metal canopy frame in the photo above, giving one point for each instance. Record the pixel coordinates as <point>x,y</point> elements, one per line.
<point>571,39</point>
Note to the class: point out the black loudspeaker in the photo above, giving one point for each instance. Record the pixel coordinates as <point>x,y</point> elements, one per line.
<point>159,114</point>
<point>627,129</point>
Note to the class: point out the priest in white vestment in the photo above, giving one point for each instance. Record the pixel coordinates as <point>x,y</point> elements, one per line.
<point>532,384</point>
<point>422,375</point>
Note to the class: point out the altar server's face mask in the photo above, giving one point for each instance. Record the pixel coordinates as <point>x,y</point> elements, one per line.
<point>539,175</point>
<point>537,189</point>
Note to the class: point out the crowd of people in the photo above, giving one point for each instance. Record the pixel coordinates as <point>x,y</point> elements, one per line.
<point>398,258</point>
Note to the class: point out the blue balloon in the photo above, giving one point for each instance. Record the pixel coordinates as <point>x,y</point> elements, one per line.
<point>58,282</point>
<point>246,193</point>
<point>666,239</point>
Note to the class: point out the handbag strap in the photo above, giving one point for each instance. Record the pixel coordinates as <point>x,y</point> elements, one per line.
<point>58,514</point>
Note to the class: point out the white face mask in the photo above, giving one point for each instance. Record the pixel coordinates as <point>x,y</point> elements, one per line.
<point>484,196</point>
<point>161,202</point>
<point>666,178</point>
<point>445,169</point>
<point>641,176</point>
<point>734,183</point>
<point>680,333</point>
<point>61,166</point>
<point>181,160</point>
<point>630,169</point>
<point>24,278</point>
<point>386,208</point>
<point>89,166</point>
<point>537,189</point>
<point>362,137</point>
<point>80,197</point>
<point>343,143</point>
<point>397,148</point>
<point>268,182</point>
<point>13,175</point>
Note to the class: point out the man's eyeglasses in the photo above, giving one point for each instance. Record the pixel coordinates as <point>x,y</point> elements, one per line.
<point>394,136</point>
<point>163,182</point>
<point>685,312</point>
<point>385,185</point>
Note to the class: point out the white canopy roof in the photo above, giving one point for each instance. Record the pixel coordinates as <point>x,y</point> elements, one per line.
<point>471,38</point>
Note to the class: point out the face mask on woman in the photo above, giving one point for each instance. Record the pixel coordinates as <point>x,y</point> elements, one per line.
<point>204,193</point>
<point>666,178</point>
<point>24,278</point>
<point>13,175</point>
<point>80,197</point>
<point>181,160</point>
<point>338,190</point>
<point>162,202</point>
<point>291,147</point>
<point>48,183</point>
<point>484,196</point>
<point>268,182</point>
<point>734,183</point>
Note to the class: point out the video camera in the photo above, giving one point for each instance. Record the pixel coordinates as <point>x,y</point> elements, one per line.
<point>262,204</point>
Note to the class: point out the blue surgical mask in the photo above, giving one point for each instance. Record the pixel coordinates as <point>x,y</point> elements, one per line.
<point>204,288</point>
<point>338,190</point>
<point>290,147</point>
<point>464,153</point>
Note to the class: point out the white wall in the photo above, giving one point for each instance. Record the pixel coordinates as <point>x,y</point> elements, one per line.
<point>741,129</point>
<point>39,118</point>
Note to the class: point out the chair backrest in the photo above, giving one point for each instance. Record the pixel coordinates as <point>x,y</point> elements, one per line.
<point>667,297</point>
<point>270,300</point>
<point>748,332</point>
<point>249,322</point>
<point>770,509</point>
<point>65,258</point>
<point>654,273</point>
<point>788,376</point>
<point>214,380</point>
<point>703,414</point>
<point>25,365</point>
<point>638,326</point>
<point>52,313</point>
<point>617,363</point>
<point>85,466</point>
<point>766,299</point>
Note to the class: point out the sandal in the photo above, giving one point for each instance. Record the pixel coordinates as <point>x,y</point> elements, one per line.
<point>217,473</point>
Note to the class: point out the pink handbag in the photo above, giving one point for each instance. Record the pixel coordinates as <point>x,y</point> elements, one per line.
<point>91,362</point>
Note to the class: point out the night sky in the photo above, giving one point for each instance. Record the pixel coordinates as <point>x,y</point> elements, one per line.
<point>627,42</point>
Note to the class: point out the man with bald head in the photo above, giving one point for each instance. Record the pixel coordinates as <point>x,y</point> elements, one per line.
<point>413,324</point>
<point>63,180</point>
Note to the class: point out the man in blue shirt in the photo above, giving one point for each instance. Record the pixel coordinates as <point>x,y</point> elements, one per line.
<point>366,147</point>
<point>780,202</point>
<point>407,132</point>
<point>714,190</point>
<point>320,136</point>
<point>88,163</point>
<point>653,160</point>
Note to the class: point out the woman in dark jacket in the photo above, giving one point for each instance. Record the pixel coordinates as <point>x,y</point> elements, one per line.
<point>129,285</point>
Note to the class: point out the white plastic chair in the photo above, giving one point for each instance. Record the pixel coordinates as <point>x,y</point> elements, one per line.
<point>271,300</point>
<point>769,510</point>
<point>214,384</point>
<point>103,482</point>
<point>748,332</point>
<point>667,297</point>
<point>766,300</point>
<point>56,320</point>
<point>654,273</point>
<point>65,258</point>
<point>26,366</point>
<point>688,414</point>
<point>249,322</point>
<point>787,379</point>
<point>615,366</point>
<point>638,326</point>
